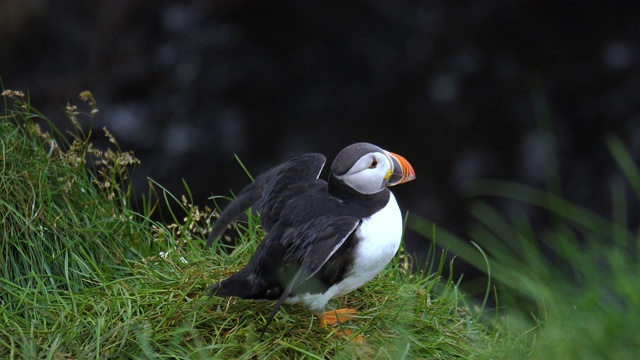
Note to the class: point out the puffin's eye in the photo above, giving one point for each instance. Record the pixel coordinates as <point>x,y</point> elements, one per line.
<point>374,164</point>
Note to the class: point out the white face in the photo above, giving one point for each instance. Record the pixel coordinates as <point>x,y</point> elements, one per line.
<point>369,174</point>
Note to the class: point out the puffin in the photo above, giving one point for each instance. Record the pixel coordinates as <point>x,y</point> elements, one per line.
<point>323,239</point>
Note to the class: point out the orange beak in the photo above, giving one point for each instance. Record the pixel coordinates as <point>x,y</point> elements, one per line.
<point>401,170</point>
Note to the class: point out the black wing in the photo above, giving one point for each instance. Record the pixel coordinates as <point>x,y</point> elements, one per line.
<point>312,244</point>
<point>269,187</point>
<point>308,248</point>
<point>293,180</point>
<point>287,259</point>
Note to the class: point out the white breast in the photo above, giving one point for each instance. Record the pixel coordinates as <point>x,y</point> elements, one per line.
<point>380,237</point>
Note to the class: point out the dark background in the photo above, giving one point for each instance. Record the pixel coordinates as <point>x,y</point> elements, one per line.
<point>459,88</point>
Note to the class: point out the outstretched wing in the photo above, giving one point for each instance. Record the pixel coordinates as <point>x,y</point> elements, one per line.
<point>309,247</point>
<point>294,179</point>
<point>267,186</point>
<point>244,199</point>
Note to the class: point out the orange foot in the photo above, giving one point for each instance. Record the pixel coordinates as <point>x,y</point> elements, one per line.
<point>336,317</point>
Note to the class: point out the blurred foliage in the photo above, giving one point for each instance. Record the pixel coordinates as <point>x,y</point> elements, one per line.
<point>573,282</point>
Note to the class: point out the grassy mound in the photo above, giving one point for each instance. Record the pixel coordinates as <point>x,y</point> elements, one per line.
<point>85,276</point>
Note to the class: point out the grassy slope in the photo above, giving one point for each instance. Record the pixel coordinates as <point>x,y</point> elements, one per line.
<point>84,276</point>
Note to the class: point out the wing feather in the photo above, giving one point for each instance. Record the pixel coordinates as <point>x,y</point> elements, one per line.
<point>309,247</point>
<point>272,189</point>
<point>290,182</point>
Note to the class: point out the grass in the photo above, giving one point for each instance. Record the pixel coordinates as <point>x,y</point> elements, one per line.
<point>570,286</point>
<point>86,276</point>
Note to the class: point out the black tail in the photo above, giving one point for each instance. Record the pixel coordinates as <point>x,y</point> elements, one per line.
<point>243,284</point>
<point>233,286</point>
<point>243,288</point>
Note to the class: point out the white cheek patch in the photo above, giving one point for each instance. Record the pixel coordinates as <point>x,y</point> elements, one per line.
<point>362,164</point>
<point>365,179</point>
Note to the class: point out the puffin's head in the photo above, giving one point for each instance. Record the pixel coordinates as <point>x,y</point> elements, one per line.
<point>368,169</point>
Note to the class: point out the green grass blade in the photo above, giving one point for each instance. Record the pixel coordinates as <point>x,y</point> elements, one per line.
<point>625,161</point>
